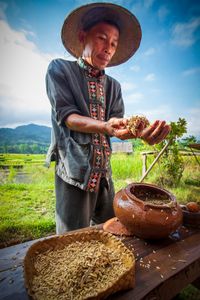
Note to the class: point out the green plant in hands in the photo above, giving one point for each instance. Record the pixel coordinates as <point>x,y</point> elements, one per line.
<point>171,164</point>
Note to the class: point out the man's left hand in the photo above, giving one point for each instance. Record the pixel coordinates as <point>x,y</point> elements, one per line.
<point>156,132</point>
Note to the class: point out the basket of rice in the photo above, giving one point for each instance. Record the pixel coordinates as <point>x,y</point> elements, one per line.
<point>88,264</point>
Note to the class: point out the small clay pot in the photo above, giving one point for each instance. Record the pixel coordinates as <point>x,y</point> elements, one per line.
<point>191,219</point>
<point>147,210</point>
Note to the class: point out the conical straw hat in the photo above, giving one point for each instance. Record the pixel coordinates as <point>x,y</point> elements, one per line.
<point>91,14</point>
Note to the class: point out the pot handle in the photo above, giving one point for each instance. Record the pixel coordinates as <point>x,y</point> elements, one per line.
<point>123,195</point>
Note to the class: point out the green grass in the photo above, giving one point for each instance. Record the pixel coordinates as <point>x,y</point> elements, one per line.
<point>27,209</point>
<point>21,159</point>
<point>189,293</point>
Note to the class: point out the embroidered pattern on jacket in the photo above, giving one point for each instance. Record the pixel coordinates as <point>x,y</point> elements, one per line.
<point>97,104</point>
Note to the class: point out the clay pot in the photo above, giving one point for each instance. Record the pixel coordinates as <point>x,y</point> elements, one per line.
<point>147,210</point>
<point>190,219</point>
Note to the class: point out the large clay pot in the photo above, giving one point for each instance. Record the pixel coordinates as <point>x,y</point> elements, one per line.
<point>137,207</point>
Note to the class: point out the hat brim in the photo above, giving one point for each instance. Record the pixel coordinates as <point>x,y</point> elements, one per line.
<point>130,32</point>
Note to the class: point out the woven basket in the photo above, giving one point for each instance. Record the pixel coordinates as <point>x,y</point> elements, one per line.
<point>122,282</point>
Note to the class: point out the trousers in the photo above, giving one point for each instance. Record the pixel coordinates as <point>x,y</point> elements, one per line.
<point>76,208</point>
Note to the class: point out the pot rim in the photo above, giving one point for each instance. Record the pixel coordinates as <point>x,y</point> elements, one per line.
<point>149,204</point>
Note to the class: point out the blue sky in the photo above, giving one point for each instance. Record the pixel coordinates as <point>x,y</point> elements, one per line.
<point>161,81</point>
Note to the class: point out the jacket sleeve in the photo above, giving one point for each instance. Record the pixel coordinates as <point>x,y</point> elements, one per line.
<point>59,92</point>
<point>115,103</point>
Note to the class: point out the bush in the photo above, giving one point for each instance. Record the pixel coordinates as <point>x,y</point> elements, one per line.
<point>171,162</point>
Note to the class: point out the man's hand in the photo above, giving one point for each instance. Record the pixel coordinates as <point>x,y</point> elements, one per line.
<point>153,134</point>
<point>120,130</point>
<point>117,127</point>
<point>115,124</point>
<point>156,132</point>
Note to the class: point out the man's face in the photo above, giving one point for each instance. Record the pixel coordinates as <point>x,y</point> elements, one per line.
<point>100,44</point>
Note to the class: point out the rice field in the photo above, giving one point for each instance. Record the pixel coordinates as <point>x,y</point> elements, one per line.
<point>27,197</point>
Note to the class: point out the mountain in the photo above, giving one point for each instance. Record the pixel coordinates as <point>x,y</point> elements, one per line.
<point>31,133</point>
<point>29,138</point>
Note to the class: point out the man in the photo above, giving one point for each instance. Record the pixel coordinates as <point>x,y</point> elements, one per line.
<point>87,108</point>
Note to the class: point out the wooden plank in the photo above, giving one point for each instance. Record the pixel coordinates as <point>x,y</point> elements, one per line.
<point>12,285</point>
<point>144,164</point>
<point>183,265</point>
<point>172,286</point>
<point>13,256</point>
<point>166,264</point>
<point>194,146</point>
<point>182,152</point>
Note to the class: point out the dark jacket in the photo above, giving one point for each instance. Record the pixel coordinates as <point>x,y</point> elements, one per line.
<point>68,93</point>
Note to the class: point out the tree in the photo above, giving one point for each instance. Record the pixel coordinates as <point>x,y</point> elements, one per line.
<point>171,163</point>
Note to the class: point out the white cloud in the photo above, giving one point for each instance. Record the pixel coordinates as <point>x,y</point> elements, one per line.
<point>3,7</point>
<point>163,12</point>
<point>22,78</point>
<point>83,2</point>
<point>140,6</point>
<point>133,98</point>
<point>193,121</point>
<point>148,3</point>
<point>127,86</point>
<point>135,68</point>
<point>155,91</point>
<point>185,34</point>
<point>162,112</point>
<point>149,51</point>
<point>150,77</point>
<point>167,113</point>
<point>191,71</point>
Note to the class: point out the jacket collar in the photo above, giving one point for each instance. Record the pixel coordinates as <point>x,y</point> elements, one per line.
<point>90,70</point>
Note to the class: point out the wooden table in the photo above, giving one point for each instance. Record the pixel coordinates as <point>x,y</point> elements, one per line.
<point>163,268</point>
